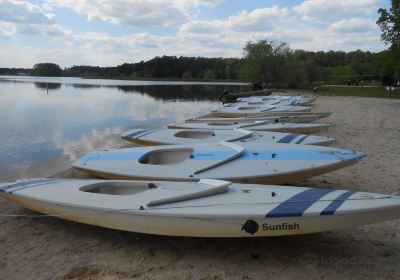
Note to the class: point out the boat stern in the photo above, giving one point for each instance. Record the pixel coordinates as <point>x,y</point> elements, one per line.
<point>315,140</point>
<point>136,133</point>
<point>351,155</point>
<point>5,186</point>
<point>81,163</point>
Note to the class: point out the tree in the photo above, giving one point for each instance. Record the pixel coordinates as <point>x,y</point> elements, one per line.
<point>264,60</point>
<point>387,66</point>
<point>389,23</point>
<point>46,69</point>
<point>187,75</point>
<point>207,75</point>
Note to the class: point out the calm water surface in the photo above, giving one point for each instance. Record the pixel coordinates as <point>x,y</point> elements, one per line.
<point>46,123</point>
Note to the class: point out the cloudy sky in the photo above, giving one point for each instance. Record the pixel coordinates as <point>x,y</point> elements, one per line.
<point>111,32</point>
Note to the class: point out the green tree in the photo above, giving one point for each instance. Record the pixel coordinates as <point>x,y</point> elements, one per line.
<point>264,60</point>
<point>256,60</point>
<point>386,63</point>
<point>387,66</point>
<point>207,75</point>
<point>389,22</point>
<point>294,73</point>
<point>187,75</point>
<point>341,74</point>
<point>311,72</point>
<point>46,69</point>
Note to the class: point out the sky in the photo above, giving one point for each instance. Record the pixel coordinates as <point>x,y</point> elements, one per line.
<point>112,32</point>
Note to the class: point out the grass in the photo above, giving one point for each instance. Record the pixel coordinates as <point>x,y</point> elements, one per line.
<point>379,92</point>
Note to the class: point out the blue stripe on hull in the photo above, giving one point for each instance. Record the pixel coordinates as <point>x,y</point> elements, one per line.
<point>137,133</point>
<point>301,139</point>
<point>288,138</point>
<point>298,204</point>
<point>334,205</point>
<point>147,133</point>
<point>18,184</point>
<point>30,184</point>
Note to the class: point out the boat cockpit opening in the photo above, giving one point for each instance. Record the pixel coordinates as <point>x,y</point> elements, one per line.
<point>116,188</point>
<point>165,157</point>
<point>193,134</point>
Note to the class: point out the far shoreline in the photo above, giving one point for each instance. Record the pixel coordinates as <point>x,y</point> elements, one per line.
<point>171,80</point>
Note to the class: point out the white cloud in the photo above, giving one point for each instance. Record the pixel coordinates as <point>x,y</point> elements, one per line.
<point>137,13</point>
<point>23,12</point>
<point>354,25</point>
<point>26,18</point>
<point>53,30</point>
<point>320,39</point>
<point>253,21</point>
<point>202,27</point>
<point>7,29</point>
<point>145,46</point>
<point>258,19</point>
<point>64,55</point>
<point>121,43</point>
<point>321,11</point>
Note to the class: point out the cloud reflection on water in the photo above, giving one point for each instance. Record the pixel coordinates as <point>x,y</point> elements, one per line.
<point>69,121</point>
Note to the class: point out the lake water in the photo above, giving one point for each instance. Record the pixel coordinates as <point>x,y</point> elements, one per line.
<point>46,123</point>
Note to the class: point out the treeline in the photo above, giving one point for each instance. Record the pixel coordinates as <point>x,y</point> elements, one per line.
<point>165,67</point>
<point>273,64</point>
<point>14,71</point>
<point>172,67</point>
<point>356,66</point>
<point>276,64</point>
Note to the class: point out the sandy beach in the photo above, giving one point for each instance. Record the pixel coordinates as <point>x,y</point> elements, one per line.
<point>51,248</point>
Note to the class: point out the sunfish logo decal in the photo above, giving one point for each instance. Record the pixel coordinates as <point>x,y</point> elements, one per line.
<point>250,226</point>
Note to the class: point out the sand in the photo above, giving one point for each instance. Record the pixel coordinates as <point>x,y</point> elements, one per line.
<point>51,248</point>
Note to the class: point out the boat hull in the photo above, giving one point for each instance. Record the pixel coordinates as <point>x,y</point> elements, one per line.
<point>156,137</point>
<point>290,119</point>
<point>206,227</point>
<point>268,114</point>
<point>231,161</point>
<point>275,127</point>
<point>261,179</point>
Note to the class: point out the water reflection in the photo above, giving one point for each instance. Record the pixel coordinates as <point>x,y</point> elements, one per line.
<point>182,92</point>
<point>106,138</point>
<point>47,86</point>
<point>42,133</point>
<point>84,86</point>
<point>163,90</point>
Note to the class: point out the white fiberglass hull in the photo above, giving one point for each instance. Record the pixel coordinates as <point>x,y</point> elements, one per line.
<point>270,163</point>
<point>304,128</point>
<point>151,137</point>
<point>232,211</point>
<point>233,110</point>
<point>273,119</point>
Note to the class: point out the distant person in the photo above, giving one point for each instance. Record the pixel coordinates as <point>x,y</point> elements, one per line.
<point>224,97</point>
<point>349,83</point>
<point>257,85</point>
<point>389,91</point>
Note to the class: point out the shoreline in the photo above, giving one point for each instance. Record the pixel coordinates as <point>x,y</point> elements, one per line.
<point>169,80</point>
